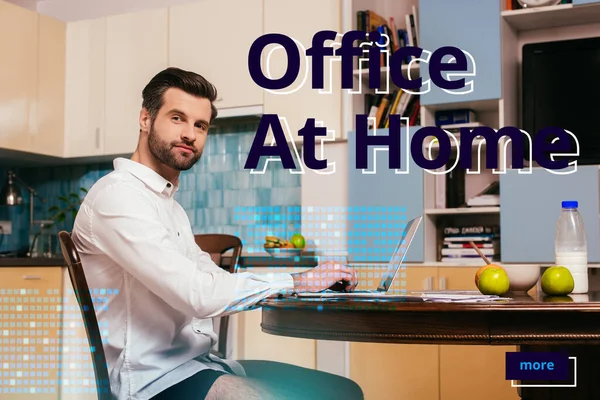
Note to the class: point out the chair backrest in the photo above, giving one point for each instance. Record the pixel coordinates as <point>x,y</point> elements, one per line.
<point>216,244</point>
<point>84,299</point>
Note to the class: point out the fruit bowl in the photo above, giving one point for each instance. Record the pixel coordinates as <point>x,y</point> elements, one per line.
<point>283,252</point>
<point>522,276</point>
<point>282,248</point>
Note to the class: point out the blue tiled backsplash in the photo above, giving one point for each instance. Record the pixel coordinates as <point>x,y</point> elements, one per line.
<point>218,194</point>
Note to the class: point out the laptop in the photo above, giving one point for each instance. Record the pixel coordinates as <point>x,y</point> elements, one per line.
<point>388,277</point>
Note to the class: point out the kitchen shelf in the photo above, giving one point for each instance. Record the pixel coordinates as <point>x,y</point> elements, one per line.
<point>462,210</point>
<point>552,16</point>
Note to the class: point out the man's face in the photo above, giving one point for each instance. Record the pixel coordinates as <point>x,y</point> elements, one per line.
<point>178,133</point>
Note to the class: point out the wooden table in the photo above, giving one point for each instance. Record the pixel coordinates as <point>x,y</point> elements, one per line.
<point>533,323</point>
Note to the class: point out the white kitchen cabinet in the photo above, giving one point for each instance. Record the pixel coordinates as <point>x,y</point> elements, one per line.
<point>300,20</point>
<point>84,93</point>
<point>136,50</point>
<point>48,136</point>
<point>206,37</point>
<point>18,76</point>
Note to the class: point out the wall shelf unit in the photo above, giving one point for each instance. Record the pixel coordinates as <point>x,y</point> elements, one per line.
<point>489,111</point>
<point>496,102</point>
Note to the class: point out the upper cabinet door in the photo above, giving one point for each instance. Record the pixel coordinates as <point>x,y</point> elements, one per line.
<point>473,26</point>
<point>50,135</point>
<point>84,95</point>
<point>300,20</point>
<point>18,76</point>
<point>213,38</point>
<point>381,202</point>
<point>136,50</point>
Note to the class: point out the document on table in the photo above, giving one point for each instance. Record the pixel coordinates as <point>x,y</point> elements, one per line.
<point>450,296</point>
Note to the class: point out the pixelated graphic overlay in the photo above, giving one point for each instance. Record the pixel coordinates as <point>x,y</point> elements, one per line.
<point>328,230</point>
<point>44,347</point>
<point>333,233</point>
<point>30,338</point>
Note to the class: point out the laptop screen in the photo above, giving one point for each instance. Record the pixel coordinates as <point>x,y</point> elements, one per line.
<point>399,254</point>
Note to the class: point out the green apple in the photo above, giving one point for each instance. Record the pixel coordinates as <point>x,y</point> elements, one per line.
<point>557,281</point>
<point>298,241</point>
<point>494,281</point>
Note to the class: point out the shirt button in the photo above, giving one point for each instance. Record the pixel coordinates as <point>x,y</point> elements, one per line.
<point>168,185</point>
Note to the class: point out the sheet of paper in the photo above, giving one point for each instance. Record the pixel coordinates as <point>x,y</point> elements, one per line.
<point>459,296</point>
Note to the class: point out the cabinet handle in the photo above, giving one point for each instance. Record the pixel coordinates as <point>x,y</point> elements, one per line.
<point>97,138</point>
<point>428,283</point>
<point>31,277</point>
<point>443,283</point>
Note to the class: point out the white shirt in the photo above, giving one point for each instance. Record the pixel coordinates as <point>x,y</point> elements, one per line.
<point>133,236</point>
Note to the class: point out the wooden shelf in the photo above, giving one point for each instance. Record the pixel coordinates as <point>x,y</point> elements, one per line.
<point>552,16</point>
<point>435,144</point>
<point>462,210</point>
<point>477,106</point>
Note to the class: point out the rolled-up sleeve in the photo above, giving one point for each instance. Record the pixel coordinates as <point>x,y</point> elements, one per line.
<point>126,226</point>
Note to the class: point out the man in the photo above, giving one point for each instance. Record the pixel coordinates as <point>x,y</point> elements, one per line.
<point>133,236</point>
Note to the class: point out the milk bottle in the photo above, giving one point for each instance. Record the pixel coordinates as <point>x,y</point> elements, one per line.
<point>570,245</point>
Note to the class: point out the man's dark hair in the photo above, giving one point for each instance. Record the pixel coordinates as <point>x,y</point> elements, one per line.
<point>172,77</point>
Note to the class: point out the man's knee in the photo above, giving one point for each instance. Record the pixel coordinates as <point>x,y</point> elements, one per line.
<point>352,390</point>
<point>231,387</point>
<point>302,383</point>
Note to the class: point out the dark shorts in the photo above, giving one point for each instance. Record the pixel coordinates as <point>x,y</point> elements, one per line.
<point>195,387</point>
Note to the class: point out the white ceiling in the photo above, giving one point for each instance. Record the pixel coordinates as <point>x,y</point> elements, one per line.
<point>73,10</point>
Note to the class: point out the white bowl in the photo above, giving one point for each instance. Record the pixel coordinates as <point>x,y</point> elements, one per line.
<point>522,277</point>
<point>283,252</point>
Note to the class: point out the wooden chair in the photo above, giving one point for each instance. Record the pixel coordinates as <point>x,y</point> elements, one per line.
<point>86,306</point>
<point>216,245</point>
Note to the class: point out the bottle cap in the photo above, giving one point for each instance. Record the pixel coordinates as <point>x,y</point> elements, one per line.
<point>570,204</point>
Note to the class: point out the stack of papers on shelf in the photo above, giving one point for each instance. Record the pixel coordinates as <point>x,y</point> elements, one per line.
<point>489,196</point>
<point>459,297</point>
<point>484,200</point>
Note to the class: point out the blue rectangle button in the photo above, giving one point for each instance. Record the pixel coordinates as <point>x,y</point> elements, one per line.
<point>537,366</point>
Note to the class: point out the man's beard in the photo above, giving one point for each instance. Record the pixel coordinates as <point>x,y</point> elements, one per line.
<point>163,152</point>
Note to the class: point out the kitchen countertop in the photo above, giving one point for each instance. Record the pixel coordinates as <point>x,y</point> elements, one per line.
<point>248,260</point>
<point>265,260</point>
<point>32,262</point>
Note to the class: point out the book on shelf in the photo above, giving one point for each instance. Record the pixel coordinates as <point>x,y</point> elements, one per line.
<point>398,102</point>
<point>457,127</point>
<point>449,188</point>
<point>456,246</point>
<point>370,21</point>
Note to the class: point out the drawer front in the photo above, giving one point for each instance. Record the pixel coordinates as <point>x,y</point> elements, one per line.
<point>43,278</point>
<point>30,327</point>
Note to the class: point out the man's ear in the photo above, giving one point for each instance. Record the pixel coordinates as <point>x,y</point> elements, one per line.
<point>145,120</point>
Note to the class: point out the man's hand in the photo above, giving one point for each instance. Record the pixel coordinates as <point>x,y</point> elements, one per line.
<point>325,276</point>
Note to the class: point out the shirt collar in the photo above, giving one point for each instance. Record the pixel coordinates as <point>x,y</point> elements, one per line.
<point>147,175</point>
